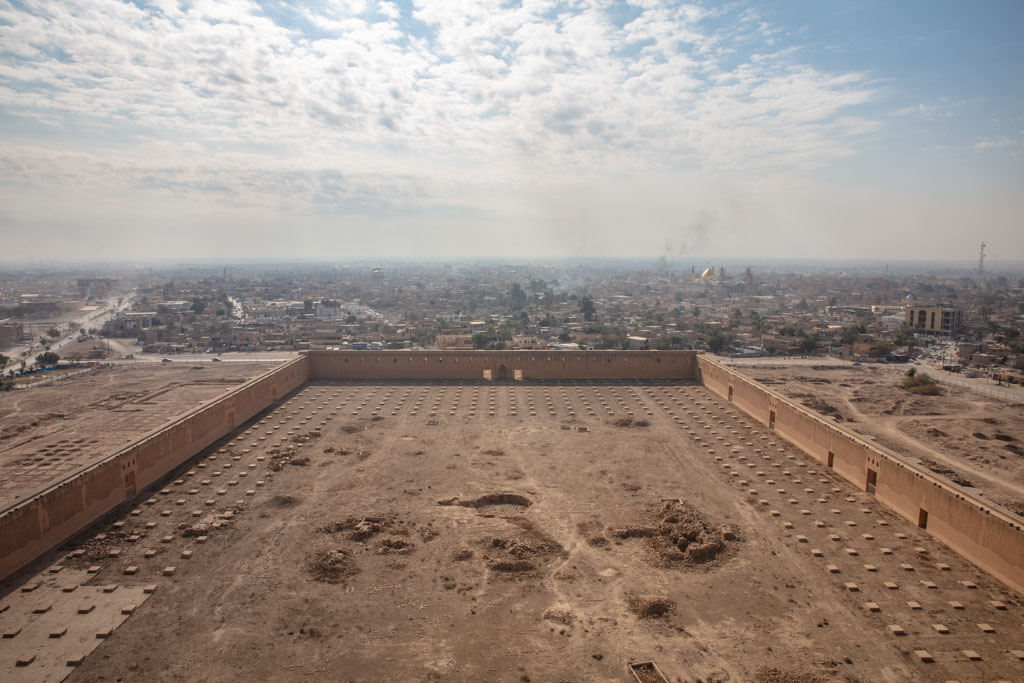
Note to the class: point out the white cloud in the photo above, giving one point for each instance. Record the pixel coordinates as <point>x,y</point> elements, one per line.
<point>335,109</point>
<point>995,143</point>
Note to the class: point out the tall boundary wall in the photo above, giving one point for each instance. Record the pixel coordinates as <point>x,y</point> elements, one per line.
<point>38,524</point>
<point>988,536</point>
<point>502,365</point>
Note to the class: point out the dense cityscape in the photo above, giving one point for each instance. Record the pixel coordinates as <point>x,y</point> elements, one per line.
<point>865,313</point>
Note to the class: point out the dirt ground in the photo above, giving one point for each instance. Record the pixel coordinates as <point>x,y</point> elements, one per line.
<point>537,532</point>
<point>47,432</point>
<point>973,440</point>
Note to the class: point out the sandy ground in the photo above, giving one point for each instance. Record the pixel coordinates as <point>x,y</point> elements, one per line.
<point>47,432</point>
<point>368,532</point>
<point>973,440</point>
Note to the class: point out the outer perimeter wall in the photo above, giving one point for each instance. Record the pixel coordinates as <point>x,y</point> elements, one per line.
<point>43,521</point>
<point>987,535</point>
<point>502,365</point>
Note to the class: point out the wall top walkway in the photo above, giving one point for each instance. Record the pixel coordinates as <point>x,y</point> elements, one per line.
<point>74,474</point>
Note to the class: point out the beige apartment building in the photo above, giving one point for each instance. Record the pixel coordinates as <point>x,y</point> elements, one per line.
<point>935,319</point>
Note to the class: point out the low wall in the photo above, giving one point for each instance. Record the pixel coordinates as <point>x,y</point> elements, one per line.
<point>989,536</point>
<point>32,527</point>
<point>502,365</point>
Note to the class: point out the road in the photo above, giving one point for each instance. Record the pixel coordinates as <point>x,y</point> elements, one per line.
<point>86,320</point>
<point>979,384</point>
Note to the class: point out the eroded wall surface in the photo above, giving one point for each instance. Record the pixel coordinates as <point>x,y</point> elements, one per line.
<point>989,536</point>
<point>32,527</point>
<point>502,365</point>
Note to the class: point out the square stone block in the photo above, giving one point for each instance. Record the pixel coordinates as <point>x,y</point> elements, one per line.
<point>801,538</point>
<point>914,605</point>
<point>972,655</point>
<point>131,570</point>
<point>872,607</point>
<point>833,569</point>
<point>940,628</point>
<point>924,656</point>
<point>896,630</point>
<point>870,568</point>
<point>891,585</point>
<point>852,587</point>
<point>985,628</point>
<point>955,605</point>
<point>169,571</point>
<point>815,552</point>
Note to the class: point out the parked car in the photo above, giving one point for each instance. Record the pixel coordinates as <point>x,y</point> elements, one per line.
<point>166,360</point>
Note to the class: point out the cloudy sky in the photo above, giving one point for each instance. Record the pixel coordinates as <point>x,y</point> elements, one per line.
<point>510,129</point>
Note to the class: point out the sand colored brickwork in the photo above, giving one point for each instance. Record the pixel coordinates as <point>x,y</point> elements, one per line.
<point>990,537</point>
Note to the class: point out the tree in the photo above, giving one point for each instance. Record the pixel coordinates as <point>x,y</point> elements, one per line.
<point>565,336</point>
<point>516,297</point>
<point>481,340</point>
<point>588,308</point>
<point>198,306</point>
<point>4,360</point>
<point>718,341</point>
<point>48,358</point>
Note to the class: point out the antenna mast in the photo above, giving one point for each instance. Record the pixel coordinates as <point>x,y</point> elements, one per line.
<point>981,262</point>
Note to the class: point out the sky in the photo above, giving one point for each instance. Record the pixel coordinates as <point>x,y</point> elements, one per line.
<point>511,129</point>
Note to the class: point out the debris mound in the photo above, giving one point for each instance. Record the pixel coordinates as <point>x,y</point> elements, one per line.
<point>489,499</point>
<point>682,536</point>
<point>650,608</point>
<point>331,566</point>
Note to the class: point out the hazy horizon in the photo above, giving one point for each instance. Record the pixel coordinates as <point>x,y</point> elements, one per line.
<point>308,131</point>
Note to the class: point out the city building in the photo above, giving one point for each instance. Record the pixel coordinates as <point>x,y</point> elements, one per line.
<point>935,319</point>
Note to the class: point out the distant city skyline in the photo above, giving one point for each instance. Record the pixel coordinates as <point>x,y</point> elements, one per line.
<point>373,130</point>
